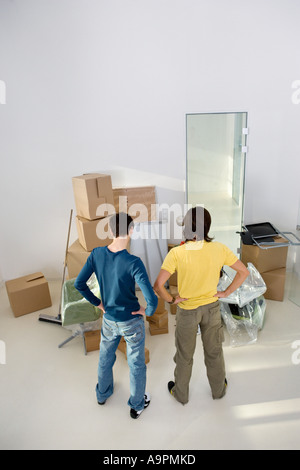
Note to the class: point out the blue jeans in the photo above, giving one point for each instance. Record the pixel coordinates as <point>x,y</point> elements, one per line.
<point>133,332</point>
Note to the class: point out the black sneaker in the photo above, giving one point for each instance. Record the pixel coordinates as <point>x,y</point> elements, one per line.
<point>170,386</point>
<point>224,391</point>
<point>101,402</point>
<point>135,414</point>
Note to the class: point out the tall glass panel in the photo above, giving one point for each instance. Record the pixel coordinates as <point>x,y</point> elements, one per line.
<point>215,170</point>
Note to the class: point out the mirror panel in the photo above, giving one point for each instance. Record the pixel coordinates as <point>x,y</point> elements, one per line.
<point>216,170</point>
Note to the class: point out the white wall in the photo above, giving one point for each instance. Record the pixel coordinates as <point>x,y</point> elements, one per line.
<point>103,84</point>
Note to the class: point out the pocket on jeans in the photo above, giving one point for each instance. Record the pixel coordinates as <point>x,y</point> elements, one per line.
<point>134,333</point>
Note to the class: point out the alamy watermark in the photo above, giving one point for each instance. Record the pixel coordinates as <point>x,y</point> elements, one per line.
<point>296,353</point>
<point>296,94</point>
<point>2,92</point>
<point>170,218</point>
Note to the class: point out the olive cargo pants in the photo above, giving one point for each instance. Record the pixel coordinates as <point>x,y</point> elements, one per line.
<point>212,335</point>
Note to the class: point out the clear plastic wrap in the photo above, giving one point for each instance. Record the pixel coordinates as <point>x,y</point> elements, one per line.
<point>253,287</point>
<point>75,308</point>
<point>243,323</point>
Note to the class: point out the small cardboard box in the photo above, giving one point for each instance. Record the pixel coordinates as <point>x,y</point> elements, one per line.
<point>138,202</point>
<point>173,280</point>
<point>147,355</point>
<point>265,259</point>
<point>76,259</point>
<point>159,319</point>
<point>122,346</point>
<point>28,294</point>
<point>275,282</point>
<point>93,233</point>
<point>91,191</point>
<point>174,293</point>
<point>161,305</point>
<point>92,340</point>
<point>155,330</point>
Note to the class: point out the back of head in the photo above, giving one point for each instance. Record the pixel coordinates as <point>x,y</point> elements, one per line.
<point>120,224</point>
<point>197,222</point>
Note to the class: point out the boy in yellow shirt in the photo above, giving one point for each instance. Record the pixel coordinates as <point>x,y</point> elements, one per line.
<point>198,263</point>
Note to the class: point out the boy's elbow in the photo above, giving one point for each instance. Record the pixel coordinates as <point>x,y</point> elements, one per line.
<point>77,285</point>
<point>156,286</point>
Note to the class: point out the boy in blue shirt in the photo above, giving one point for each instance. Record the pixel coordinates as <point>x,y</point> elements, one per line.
<point>118,272</point>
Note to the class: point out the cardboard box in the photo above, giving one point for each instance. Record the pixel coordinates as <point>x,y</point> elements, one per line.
<point>275,282</point>
<point>159,319</point>
<point>91,191</point>
<point>93,233</point>
<point>76,259</point>
<point>161,308</point>
<point>147,356</point>
<point>137,202</point>
<point>92,340</point>
<point>155,330</point>
<point>174,292</point>
<point>173,281</point>
<point>122,346</point>
<point>265,259</point>
<point>28,294</point>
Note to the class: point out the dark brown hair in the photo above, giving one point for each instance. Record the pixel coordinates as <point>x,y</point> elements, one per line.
<point>120,224</point>
<point>197,222</point>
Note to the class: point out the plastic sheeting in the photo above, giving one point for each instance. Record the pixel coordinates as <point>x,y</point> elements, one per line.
<point>254,286</point>
<point>75,308</point>
<point>243,323</point>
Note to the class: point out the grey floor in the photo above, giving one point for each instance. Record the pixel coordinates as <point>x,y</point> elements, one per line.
<point>47,398</point>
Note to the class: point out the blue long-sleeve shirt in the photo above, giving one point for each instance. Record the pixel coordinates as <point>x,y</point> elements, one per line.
<point>117,275</point>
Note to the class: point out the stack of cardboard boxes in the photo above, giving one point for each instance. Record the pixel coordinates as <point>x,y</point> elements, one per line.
<point>94,201</point>
<point>158,322</point>
<point>271,264</point>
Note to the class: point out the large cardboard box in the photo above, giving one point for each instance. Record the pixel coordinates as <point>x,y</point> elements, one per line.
<point>275,282</point>
<point>28,294</point>
<point>265,259</point>
<point>91,191</point>
<point>76,259</point>
<point>138,202</point>
<point>93,233</point>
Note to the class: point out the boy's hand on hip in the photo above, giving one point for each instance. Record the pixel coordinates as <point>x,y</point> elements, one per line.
<point>101,307</point>
<point>179,299</point>
<point>221,294</point>
<point>141,311</point>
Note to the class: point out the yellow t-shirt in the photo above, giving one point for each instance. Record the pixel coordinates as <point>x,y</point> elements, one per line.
<point>198,266</point>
